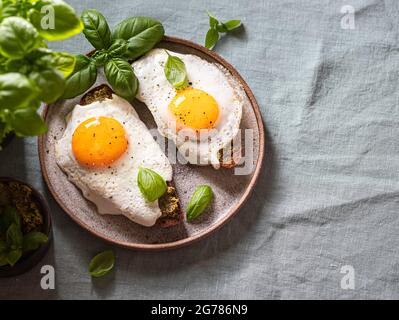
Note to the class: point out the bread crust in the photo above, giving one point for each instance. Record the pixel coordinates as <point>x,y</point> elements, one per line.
<point>167,219</point>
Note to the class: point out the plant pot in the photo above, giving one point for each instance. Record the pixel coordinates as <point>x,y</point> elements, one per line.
<point>30,260</point>
<point>7,140</point>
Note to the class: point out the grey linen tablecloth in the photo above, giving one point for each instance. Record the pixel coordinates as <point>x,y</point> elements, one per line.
<point>328,198</point>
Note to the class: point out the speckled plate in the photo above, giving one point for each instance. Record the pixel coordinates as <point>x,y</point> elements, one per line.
<point>231,191</point>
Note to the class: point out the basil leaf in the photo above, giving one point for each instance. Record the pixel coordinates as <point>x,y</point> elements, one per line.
<point>63,62</point>
<point>175,72</point>
<point>121,77</point>
<point>141,33</point>
<point>16,90</point>
<point>27,122</point>
<point>13,256</point>
<point>102,264</point>
<point>82,78</point>
<point>118,48</point>
<point>231,24</point>
<point>51,83</point>
<point>55,20</point>
<point>33,240</point>
<point>100,57</point>
<point>213,22</point>
<point>9,216</point>
<point>151,184</point>
<point>18,37</point>
<point>43,58</point>
<point>96,29</point>
<point>212,37</point>
<point>200,199</point>
<point>14,237</point>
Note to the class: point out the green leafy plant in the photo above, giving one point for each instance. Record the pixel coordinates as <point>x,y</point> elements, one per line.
<point>129,40</point>
<point>200,199</point>
<point>216,27</point>
<point>102,264</point>
<point>151,184</point>
<point>13,243</point>
<point>30,73</point>
<point>175,72</point>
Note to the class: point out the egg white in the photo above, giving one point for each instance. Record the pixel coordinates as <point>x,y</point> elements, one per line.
<point>114,189</point>
<point>156,92</point>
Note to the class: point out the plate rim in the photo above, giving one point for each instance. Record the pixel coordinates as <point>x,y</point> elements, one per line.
<point>208,231</point>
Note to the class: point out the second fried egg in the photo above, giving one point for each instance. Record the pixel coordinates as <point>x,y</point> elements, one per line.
<point>201,119</point>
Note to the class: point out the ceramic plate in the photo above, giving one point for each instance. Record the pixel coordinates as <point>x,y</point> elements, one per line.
<point>231,191</point>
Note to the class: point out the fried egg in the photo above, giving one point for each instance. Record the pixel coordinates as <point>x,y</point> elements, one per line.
<point>201,119</point>
<point>101,150</point>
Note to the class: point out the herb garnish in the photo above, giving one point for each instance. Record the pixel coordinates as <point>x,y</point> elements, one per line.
<point>175,72</point>
<point>151,184</point>
<point>130,39</point>
<point>102,264</point>
<point>216,27</point>
<point>200,199</point>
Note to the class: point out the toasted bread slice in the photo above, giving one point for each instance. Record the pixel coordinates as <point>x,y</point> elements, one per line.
<point>169,203</point>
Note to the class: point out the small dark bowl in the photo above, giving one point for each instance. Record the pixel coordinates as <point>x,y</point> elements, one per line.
<point>31,259</point>
<point>7,140</point>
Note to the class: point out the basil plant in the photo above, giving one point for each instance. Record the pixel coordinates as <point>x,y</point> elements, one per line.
<point>30,73</point>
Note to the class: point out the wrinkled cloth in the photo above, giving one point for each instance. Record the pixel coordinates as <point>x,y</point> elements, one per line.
<point>328,197</point>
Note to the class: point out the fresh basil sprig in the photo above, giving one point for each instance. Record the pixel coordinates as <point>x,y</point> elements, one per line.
<point>200,199</point>
<point>216,27</point>
<point>130,39</point>
<point>102,264</point>
<point>175,72</point>
<point>151,184</point>
<point>13,243</point>
<point>30,73</point>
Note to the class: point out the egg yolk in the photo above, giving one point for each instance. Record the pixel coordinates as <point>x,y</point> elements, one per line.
<point>194,108</point>
<point>98,142</point>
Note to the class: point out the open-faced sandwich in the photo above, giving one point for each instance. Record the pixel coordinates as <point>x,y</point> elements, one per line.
<point>102,150</point>
<point>203,117</point>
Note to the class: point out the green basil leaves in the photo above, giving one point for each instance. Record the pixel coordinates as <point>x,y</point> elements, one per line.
<point>27,122</point>
<point>175,72</point>
<point>18,37</point>
<point>30,73</point>
<point>151,184</point>
<point>200,199</point>
<point>211,38</point>
<point>96,29</point>
<point>33,240</point>
<point>130,39</point>
<point>141,33</point>
<point>82,78</point>
<point>120,76</point>
<point>16,90</point>
<point>216,27</point>
<point>102,264</point>
<point>15,243</point>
